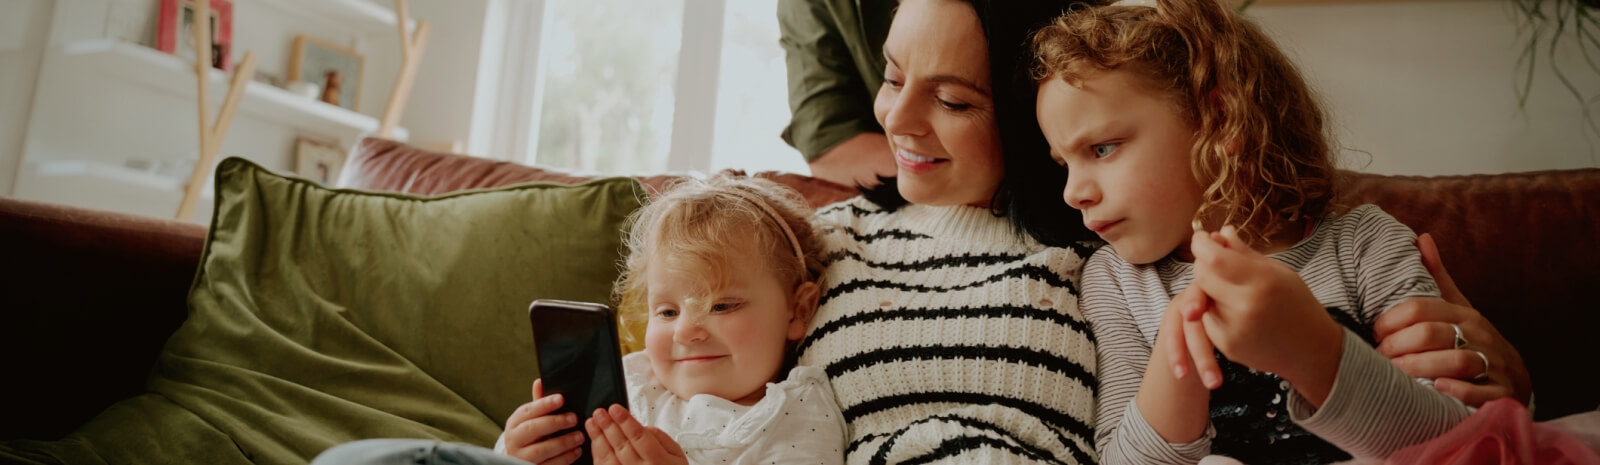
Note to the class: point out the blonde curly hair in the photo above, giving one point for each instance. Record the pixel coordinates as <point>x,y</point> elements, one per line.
<point>694,221</point>
<point>1261,147</point>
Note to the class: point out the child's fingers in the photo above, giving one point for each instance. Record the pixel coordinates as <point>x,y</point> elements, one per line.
<point>1170,337</point>
<point>1190,301</point>
<point>537,429</point>
<point>640,439</point>
<point>1211,261</point>
<point>614,435</point>
<point>1205,363</point>
<point>1220,239</point>
<point>666,441</point>
<point>567,458</point>
<point>539,408</point>
<point>1228,238</point>
<point>1223,273</point>
<point>624,420</point>
<point>1231,238</point>
<point>598,444</point>
<point>546,450</point>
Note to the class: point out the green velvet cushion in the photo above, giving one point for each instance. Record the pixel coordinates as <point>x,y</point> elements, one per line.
<point>322,316</point>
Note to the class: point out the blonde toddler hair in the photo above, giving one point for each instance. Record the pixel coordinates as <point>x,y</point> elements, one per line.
<point>694,221</point>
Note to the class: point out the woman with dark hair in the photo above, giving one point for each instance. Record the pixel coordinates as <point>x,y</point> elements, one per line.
<point>949,322</point>
<point>949,333</point>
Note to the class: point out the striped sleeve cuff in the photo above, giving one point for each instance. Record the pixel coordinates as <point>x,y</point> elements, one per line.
<point>1138,442</point>
<point>1374,408</point>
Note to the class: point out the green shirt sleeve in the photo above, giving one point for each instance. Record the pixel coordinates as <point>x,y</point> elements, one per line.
<point>833,52</point>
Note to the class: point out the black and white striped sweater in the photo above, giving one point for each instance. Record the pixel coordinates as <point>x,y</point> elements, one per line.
<point>949,338</point>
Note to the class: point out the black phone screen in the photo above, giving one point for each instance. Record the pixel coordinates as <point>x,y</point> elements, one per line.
<point>579,357</point>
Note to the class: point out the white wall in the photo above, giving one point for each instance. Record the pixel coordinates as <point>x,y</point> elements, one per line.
<point>1427,87</point>
<point>24,27</point>
<point>442,98</point>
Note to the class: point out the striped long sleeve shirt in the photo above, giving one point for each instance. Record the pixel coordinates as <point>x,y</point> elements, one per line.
<point>949,338</point>
<point>1358,265</point>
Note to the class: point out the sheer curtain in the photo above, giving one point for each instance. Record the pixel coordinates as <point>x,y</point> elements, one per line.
<point>621,86</point>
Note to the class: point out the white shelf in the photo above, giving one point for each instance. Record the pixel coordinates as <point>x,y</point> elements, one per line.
<point>170,74</point>
<point>359,15</point>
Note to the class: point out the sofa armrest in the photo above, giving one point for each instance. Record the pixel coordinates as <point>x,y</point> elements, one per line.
<point>1522,248</point>
<point>89,298</point>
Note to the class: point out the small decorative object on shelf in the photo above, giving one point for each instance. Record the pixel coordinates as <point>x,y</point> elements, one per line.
<point>177,19</point>
<point>337,69</point>
<point>309,90</point>
<point>330,87</point>
<point>317,161</point>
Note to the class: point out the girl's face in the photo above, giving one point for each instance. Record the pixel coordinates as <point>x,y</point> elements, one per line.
<point>726,342</point>
<point>1126,149</point>
<point>935,105</point>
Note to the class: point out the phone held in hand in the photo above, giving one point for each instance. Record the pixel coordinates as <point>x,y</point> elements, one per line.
<point>580,357</point>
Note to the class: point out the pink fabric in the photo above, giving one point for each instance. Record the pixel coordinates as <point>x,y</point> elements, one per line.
<point>1500,433</point>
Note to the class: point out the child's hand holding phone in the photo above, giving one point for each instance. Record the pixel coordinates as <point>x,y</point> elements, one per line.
<point>621,439</point>
<point>529,430</point>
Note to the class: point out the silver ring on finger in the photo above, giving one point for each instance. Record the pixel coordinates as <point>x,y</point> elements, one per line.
<point>1485,374</point>
<point>1460,339</point>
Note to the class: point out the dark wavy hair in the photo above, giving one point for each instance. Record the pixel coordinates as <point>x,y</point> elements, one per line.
<point>1030,193</point>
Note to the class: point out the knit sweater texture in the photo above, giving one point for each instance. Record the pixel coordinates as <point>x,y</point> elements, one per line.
<point>949,337</point>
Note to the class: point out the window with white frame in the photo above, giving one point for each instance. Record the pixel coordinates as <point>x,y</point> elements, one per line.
<point>606,71</point>
<point>753,93</point>
<point>629,86</point>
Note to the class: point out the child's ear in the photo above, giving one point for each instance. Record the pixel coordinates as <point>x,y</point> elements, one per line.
<point>805,306</point>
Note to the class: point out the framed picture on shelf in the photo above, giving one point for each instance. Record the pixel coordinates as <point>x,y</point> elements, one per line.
<point>317,161</point>
<point>336,69</point>
<point>175,31</point>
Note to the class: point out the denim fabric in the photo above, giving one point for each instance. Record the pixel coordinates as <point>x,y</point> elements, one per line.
<point>411,451</point>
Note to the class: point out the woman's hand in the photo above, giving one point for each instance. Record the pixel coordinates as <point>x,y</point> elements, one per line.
<point>529,428</point>
<point>1264,317</point>
<point>858,161</point>
<point>620,439</point>
<point>1417,335</point>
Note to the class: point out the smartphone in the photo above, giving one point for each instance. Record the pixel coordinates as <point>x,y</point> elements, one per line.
<point>579,357</point>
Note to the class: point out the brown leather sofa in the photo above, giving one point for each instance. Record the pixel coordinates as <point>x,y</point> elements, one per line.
<point>90,296</point>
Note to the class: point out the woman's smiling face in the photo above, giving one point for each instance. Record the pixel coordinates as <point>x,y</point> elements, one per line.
<point>935,105</point>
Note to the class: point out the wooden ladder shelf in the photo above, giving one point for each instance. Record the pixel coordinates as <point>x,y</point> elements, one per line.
<point>412,45</point>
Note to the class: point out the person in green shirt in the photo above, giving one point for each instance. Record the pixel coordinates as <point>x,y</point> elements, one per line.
<point>834,54</point>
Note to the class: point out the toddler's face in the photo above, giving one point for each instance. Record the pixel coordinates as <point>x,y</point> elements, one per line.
<point>728,341</point>
<point>1126,149</point>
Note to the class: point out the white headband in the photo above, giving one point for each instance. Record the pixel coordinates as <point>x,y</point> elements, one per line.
<point>787,232</point>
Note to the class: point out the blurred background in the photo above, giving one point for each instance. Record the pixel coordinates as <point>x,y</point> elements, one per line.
<point>93,114</point>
